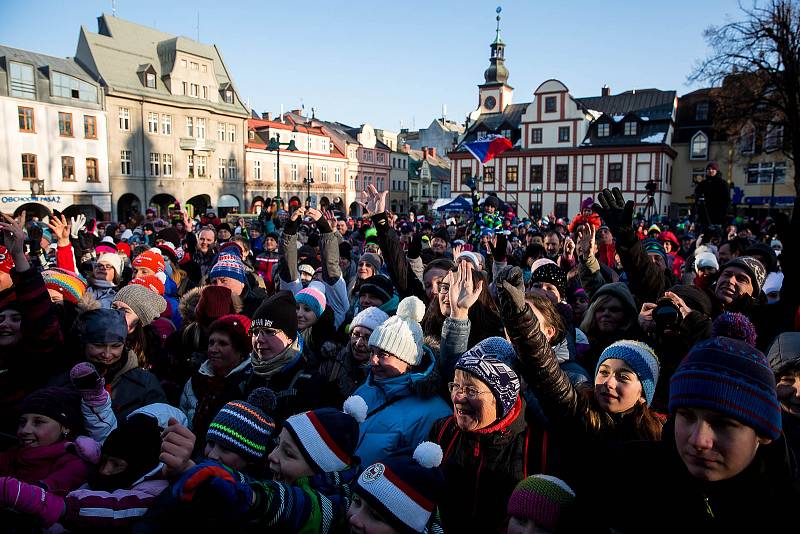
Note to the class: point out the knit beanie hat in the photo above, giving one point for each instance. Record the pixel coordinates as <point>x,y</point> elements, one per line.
<point>104,325</point>
<point>150,259</point>
<point>145,303</point>
<point>369,318</point>
<point>754,269</point>
<point>228,266</point>
<point>405,491</point>
<point>327,437</point>
<point>124,248</point>
<point>137,440</point>
<point>373,260</point>
<point>730,377</point>
<point>378,285</point>
<point>237,328</point>
<point>542,499</point>
<point>485,361</point>
<point>705,259</point>
<point>57,403</point>
<point>641,359</point>
<point>233,248</point>
<point>784,353</point>
<point>113,259</point>
<point>551,274</point>
<point>153,282</point>
<point>620,291</point>
<point>654,246</point>
<point>587,203</point>
<point>401,335</point>
<point>215,301</point>
<point>244,427</point>
<point>442,234</point>
<point>6,261</point>
<point>168,250</point>
<point>106,246</point>
<point>280,312</point>
<point>70,285</point>
<point>314,297</point>
<point>735,326</point>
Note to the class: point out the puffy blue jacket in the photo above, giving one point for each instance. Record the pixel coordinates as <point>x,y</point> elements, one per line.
<point>400,411</point>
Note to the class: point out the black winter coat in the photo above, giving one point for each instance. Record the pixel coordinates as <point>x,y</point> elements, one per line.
<point>712,198</point>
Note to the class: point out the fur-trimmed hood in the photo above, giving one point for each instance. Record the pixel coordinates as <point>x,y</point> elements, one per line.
<point>188,304</point>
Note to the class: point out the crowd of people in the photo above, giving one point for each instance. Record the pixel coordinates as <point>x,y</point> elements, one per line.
<point>306,371</point>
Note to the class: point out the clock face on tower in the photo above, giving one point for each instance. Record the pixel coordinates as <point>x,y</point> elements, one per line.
<point>489,102</point>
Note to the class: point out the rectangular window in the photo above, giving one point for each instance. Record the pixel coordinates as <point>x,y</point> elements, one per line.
<point>367,155</point>
<point>747,141</point>
<point>155,163</point>
<point>69,87</point>
<point>323,146</point>
<point>201,128</point>
<point>150,80</point>
<point>615,172</point>
<point>221,168</point>
<point>561,210</point>
<point>309,172</point>
<point>125,162</point>
<point>166,124</point>
<point>203,68</point>
<point>763,173</point>
<point>29,171</point>
<point>537,174</point>
<point>562,173</point>
<point>194,90</point>
<point>201,165</point>
<point>643,172</point>
<point>65,124</point>
<point>89,127</point>
<point>630,128</point>
<point>26,123</point>
<point>232,173</point>
<point>124,119</point>
<point>293,171</point>
<point>603,130</point>
<point>488,175</point>
<point>183,63</point>
<point>549,104</point>
<point>506,134</point>
<point>232,133</point>
<point>536,209</point>
<point>91,170</point>
<point>380,157</point>
<point>323,173</point>
<point>205,92</point>
<point>257,169</point>
<point>190,165</point>
<point>701,111</point>
<point>512,172</point>
<point>773,140</point>
<point>229,97</point>
<point>185,89</point>
<point>220,131</point>
<point>563,134</point>
<point>189,127</point>
<point>166,164</point>
<point>23,84</point>
<point>68,168</point>
<point>152,123</point>
<point>337,175</point>
<point>536,136</point>
<point>194,65</point>
<point>466,174</point>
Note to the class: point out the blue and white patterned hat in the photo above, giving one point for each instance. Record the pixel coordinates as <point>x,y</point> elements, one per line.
<point>484,362</point>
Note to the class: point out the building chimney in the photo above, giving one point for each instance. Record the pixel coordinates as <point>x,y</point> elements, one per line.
<point>605,91</point>
<point>425,152</point>
<point>266,115</point>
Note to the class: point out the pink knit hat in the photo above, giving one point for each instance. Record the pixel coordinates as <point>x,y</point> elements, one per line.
<point>314,297</point>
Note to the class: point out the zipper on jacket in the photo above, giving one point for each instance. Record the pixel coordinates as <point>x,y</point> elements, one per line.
<point>709,511</point>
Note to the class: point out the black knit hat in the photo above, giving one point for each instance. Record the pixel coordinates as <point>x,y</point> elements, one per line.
<point>379,285</point>
<point>137,440</point>
<point>552,274</point>
<point>280,312</point>
<point>441,233</point>
<point>346,250</point>
<point>57,403</point>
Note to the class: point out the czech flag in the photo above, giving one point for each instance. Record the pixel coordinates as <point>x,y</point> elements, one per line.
<point>487,148</point>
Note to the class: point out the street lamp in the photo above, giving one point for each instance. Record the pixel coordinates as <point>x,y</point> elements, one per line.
<point>275,146</point>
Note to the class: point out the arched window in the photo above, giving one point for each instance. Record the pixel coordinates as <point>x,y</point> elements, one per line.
<point>699,146</point>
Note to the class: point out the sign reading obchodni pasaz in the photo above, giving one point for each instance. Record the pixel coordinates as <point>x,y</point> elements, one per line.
<point>55,199</point>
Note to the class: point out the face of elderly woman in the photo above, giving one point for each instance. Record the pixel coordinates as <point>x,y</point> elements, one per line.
<point>474,406</point>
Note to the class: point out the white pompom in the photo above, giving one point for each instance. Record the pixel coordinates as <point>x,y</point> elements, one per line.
<point>428,454</point>
<point>157,251</point>
<point>411,308</point>
<point>161,276</point>
<point>356,406</point>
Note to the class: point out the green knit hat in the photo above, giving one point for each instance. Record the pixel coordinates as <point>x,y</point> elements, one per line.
<point>542,499</point>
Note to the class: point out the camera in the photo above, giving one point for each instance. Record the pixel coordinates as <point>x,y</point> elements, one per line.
<point>667,315</point>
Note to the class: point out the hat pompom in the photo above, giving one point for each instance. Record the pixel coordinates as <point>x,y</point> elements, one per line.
<point>428,454</point>
<point>356,406</point>
<point>161,276</point>
<point>264,399</point>
<point>411,308</point>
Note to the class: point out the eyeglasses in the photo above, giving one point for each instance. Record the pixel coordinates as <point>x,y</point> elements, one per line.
<point>443,288</point>
<point>356,338</point>
<point>266,332</point>
<point>469,392</point>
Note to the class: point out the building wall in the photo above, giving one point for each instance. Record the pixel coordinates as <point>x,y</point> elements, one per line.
<point>398,176</point>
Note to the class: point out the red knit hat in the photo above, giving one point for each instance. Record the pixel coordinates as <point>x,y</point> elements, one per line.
<point>215,301</point>
<point>150,259</point>
<point>152,282</point>
<point>237,327</point>
<point>6,262</point>
<point>124,247</point>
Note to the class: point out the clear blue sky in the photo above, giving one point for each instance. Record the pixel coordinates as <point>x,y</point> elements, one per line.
<point>382,62</point>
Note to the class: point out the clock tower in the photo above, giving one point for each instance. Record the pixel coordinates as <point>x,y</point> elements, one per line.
<point>495,94</point>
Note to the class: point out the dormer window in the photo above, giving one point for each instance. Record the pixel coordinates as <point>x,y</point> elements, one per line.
<point>630,128</point>
<point>147,75</point>
<point>603,129</point>
<point>228,96</point>
<point>150,80</point>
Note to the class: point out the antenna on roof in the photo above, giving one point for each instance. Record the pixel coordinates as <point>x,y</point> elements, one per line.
<point>281,113</point>
<point>444,112</point>
<point>113,8</point>
<point>313,113</point>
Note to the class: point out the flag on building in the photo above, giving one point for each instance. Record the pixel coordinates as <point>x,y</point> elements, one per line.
<point>487,148</point>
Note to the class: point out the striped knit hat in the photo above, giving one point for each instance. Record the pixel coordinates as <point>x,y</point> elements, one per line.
<point>228,266</point>
<point>642,360</point>
<point>405,491</point>
<point>314,297</point>
<point>244,427</point>
<point>730,377</point>
<point>70,285</point>
<point>150,259</point>
<point>542,499</point>
<point>327,437</point>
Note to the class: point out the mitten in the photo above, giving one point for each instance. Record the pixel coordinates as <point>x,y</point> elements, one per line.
<point>214,484</point>
<point>89,384</point>
<point>510,285</point>
<point>29,499</point>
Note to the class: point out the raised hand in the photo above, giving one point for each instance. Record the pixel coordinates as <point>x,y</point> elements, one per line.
<point>60,229</point>
<point>646,321</point>
<point>298,213</point>
<point>510,285</point>
<point>314,213</point>
<point>614,210</point>
<point>569,247</point>
<point>372,201</point>
<point>586,246</point>
<point>330,217</point>
<point>177,444</point>
<point>13,234</point>
<point>463,292</point>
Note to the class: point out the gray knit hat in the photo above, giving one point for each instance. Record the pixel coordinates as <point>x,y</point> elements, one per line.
<point>145,303</point>
<point>754,269</point>
<point>401,335</point>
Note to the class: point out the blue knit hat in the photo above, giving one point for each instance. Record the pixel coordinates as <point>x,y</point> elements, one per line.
<point>651,245</point>
<point>730,377</point>
<point>484,361</point>
<point>642,360</point>
<point>244,427</point>
<point>229,266</point>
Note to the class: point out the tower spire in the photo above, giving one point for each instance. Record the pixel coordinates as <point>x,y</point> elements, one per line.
<point>497,71</point>
<point>497,33</point>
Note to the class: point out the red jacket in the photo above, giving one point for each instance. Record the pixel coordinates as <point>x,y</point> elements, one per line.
<point>59,467</point>
<point>593,219</point>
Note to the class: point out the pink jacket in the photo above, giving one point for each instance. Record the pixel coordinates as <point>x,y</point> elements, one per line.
<point>59,468</point>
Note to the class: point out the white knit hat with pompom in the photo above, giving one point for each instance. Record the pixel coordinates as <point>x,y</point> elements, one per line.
<point>401,335</point>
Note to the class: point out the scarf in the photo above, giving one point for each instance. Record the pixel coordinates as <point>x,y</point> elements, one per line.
<point>266,369</point>
<point>105,284</point>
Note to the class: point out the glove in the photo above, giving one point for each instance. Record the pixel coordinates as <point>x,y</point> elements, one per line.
<point>499,250</point>
<point>77,224</point>
<point>89,384</point>
<point>214,484</point>
<point>323,226</point>
<point>29,499</point>
<point>510,286</point>
<point>612,208</point>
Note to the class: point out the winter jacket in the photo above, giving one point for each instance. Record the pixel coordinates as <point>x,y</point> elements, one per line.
<point>103,295</point>
<point>205,261</point>
<point>59,468</point>
<point>646,281</point>
<point>400,411</point>
<point>172,298</point>
<point>400,270</point>
<point>712,198</point>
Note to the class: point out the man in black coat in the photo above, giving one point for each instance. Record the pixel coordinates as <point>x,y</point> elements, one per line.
<point>711,197</point>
